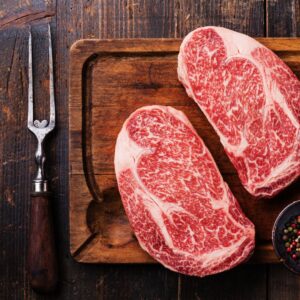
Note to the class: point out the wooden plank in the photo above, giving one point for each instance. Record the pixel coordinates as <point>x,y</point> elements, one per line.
<point>134,19</point>
<point>243,16</point>
<point>244,282</point>
<point>12,207</point>
<point>18,13</point>
<point>282,283</point>
<point>90,18</point>
<point>283,18</point>
<point>137,282</point>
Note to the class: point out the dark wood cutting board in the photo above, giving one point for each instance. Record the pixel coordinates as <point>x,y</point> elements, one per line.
<point>109,79</point>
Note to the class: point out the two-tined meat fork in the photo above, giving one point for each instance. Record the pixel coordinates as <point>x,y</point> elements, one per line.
<point>42,264</point>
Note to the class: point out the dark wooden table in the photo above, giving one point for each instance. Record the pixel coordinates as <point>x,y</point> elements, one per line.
<point>72,20</point>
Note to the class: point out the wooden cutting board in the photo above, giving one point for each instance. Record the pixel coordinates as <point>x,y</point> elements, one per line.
<point>109,79</point>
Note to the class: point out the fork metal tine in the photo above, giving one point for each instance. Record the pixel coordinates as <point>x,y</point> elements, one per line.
<point>51,83</point>
<point>40,128</point>
<point>37,126</point>
<point>30,83</point>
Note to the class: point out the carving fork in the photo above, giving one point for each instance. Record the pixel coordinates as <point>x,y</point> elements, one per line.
<point>42,263</point>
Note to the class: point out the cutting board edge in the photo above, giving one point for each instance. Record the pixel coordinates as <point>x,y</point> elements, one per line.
<point>80,52</point>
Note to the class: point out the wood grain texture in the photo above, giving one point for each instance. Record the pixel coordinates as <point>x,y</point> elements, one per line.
<point>228,285</point>
<point>18,13</point>
<point>242,16</point>
<point>15,147</point>
<point>106,19</point>
<point>282,284</point>
<point>283,18</point>
<point>137,282</point>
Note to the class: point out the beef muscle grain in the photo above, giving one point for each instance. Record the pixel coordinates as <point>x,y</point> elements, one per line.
<point>179,207</point>
<point>252,100</point>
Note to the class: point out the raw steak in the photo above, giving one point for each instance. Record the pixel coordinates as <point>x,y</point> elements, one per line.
<point>180,209</point>
<point>251,98</point>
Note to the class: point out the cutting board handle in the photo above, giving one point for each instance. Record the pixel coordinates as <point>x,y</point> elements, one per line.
<point>42,263</point>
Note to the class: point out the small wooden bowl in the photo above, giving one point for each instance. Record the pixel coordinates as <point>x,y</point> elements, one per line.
<point>284,217</point>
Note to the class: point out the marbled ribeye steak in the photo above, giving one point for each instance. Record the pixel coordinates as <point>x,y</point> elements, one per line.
<point>179,207</point>
<point>251,98</point>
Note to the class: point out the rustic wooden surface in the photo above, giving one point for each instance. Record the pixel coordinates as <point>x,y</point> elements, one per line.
<point>72,20</point>
<point>118,77</point>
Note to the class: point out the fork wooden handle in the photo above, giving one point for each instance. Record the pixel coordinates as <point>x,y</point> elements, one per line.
<point>42,263</point>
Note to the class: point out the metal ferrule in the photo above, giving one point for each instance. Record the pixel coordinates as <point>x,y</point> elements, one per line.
<point>40,186</point>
